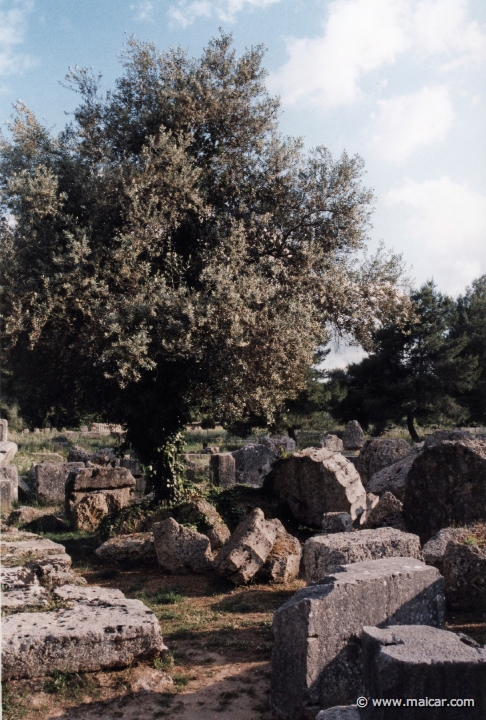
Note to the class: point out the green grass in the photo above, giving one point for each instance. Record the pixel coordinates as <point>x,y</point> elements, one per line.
<point>13,707</point>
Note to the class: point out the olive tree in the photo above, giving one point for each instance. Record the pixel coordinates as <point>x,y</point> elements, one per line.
<point>169,249</point>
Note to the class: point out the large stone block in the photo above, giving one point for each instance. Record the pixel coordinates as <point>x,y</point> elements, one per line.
<point>279,444</point>
<point>5,495</point>
<point>88,509</point>
<point>99,478</point>
<point>354,437</point>
<point>434,550</point>
<point>465,576</point>
<point>392,478</point>
<point>341,712</point>
<point>425,667</point>
<point>3,430</point>
<point>332,442</point>
<point>379,453</point>
<point>8,450</point>
<point>283,563</point>
<point>98,632</point>
<point>317,661</point>
<point>10,473</point>
<point>207,520</point>
<point>181,550</point>
<point>324,553</point>
<point>317,481</point>
<point>446,485</point>
<point>223,469</point>
<point>134,549</point>
<point>253,462</point>
<point>50,480</point>
<point>247,549</point>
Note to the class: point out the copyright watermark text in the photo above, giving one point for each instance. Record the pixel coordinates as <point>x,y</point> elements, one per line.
<point>363,702</point>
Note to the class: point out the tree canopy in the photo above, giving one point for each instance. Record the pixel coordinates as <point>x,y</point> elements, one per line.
<point>169,249</point>
<point>419,370</point>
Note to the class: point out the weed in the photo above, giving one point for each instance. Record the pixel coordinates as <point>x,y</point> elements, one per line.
<point>165,663</point>
<point>180,681</point>
<point>12,703</point>
<point>67,684</point>
<point>167,597</point>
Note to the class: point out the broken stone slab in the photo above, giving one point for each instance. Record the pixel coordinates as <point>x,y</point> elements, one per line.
<point>86,637</point>
<point>3,430</point>
<point>283,563</point>
<point>24,599</point>
<point>434,550</point>
<point>8,451</point>
<point>392,478</point>
<point>90,595</point>
<point>50,480</point>
<point>332,442</point>
<point>279,444</point>
<point>137,548</point>
<point>387,511</point>
<point>426,664</point>
<point>354,437</point>
<point>336,522</point>
<point>317,481</point>
<point>181,550</point>
<point>10,472</point>
<point>465,576</point>
<point>23,515</point>
<point>379,453</point>
<point>99,478</point>
<point>446,485</point>
<point>316,661</point>
<point>223,469</point>
<point>39,557</point>
<point>341,712</point>
<point>17,576</point>
<point>253,462</point>
<point>247,549</point>
<point>207,520</point>
<point>324,553</point>
<point>19,551</point>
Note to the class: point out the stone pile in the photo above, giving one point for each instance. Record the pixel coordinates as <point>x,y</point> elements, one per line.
<point>92,493</point>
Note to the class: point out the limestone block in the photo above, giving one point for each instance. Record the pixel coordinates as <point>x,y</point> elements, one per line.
<point>99,478</point>
<point>253,462</point>
<point>379,453</point>
<point>354,437</point>
<point>283,563</point>
<point>323,554</point>
<point>207,520</point>
<point>89,636</point>
<point>135,549</point>
<point>465,576</point>
<point>279,443</point>
<point>50,480</point>
<point>25,599</point>
<point>181,550</point>
<point>79,454</point>
<point>392,478</point>
<point>332,442</point>
<point>9,472</point>
<point>88,509</point>
<point>247,549</point>
<point>387,511</point>
<point>336,522</point>
<point>8,450</point>
<point>5,495</point>
<point>316,661</point>
<point>434,550</point>
<point>317,481</point>
<point>223,469</point>
<point>23,515</point>
<point>3,430</point>
<point>423,663</point>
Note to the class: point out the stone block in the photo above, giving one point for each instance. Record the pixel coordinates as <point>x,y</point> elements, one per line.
<point>207,520</point>
<point>247,549</point>
<point>91,635</point>
<point>385,511</point>
<point>434,550</point>
<point>316,661</point>
<point>24,599</point>
<point>317,481</point>
<point>134,549</point>
<point>10,472</point>
<point>324,553</point>
<point>50,480</point>
<point>86,510</point>
<point>379,453</point>
<point>253,462</point>
<point>3,430</point>
<point>99,478</point>
<point>283,563</point>
<point>392,478</point>
<point>79,454</point>
<point>336,522</point>
<point>8,450</point>
<point>279,444</point>
<point>5,495</point>
<point>181,550</point>
<point>341,712</point>
<point>354,437</point>
<point>427,666</point>
<point>465,576</point>
<point>332,442</point>
<point>223,469</point>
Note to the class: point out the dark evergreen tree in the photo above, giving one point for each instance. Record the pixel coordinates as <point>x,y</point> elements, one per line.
<point>471,323</point>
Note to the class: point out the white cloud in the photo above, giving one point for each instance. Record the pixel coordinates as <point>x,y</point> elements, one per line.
<point>187,11</point>
<point>361,36</point>
<point>408,122</point>
<point>144,10</point>
<point>13,21</point>
<point>443,223</point>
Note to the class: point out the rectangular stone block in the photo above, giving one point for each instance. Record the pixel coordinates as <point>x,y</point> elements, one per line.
<point>100,478</point>
<point>3,431</point>
<point>10,472</point>
<point>317,658</point>
<point>50,480</point>
<point>223,469</point>
<point>5,495</point>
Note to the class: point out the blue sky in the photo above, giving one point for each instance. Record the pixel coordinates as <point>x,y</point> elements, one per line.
<point>400,82</point>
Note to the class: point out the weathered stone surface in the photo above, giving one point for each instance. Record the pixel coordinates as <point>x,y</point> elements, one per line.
<point>440,436</point>
<point>87,513</point>
<point>336,522</point>
<point>50,480</point>
<point>324,553</point>
<point>24,490</point>
<point>279,443</point>
<point>78,454</point>
<point>393,478</point>
<point>24,599</point>
<point>207,520</point>
<point>332,442</point>
<point>5,495</point>
<point>434,550</point>
<point>223,469</point>
<point>247,549</point>
<point>316,661</point>
<point>386,512</point>
<point>181,550</point>
<point>404,661</point>
<point>380,453</point>
<point>341,712</point>
<point>18,551</point>
<point>99,478</point>
<point>8,450</point>
<point>253,462</point>
<point>3,430</point>
<point>446,485</point>
<point>18,576</point>
<point>91,635</point>
<point>283,563</point>
<point>24,515</point>
<point>354,437</point>
<point>317,481</point>
<point>465,576</point>
<point>28,559</point>
<point>10,473</point>
<point>137,548</point>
